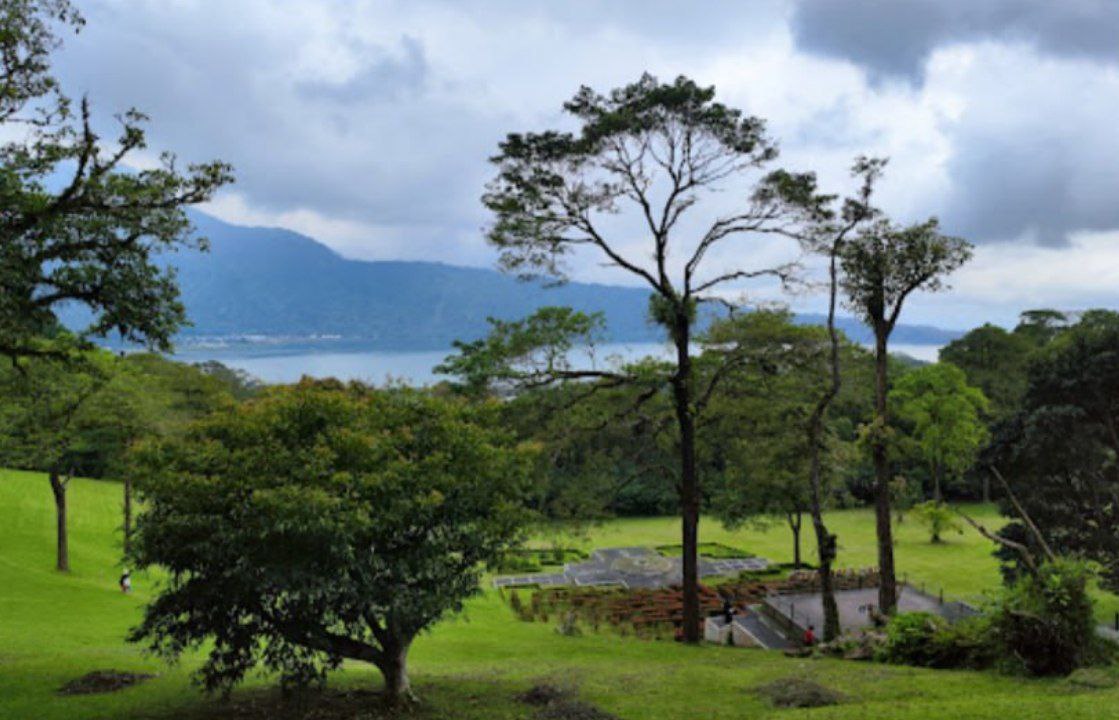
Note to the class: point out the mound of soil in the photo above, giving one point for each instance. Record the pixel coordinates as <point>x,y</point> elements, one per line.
<point>795,692</point>
<point>102,681</point>
<point>554,703</point>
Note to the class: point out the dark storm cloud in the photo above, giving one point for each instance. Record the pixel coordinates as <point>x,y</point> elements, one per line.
<point>1036,164</point>
<point>895,37</point>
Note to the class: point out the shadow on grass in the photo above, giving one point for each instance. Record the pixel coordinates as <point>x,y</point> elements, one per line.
<point>440,698</point>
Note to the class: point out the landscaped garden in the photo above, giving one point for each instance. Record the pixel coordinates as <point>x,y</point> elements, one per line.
<point>56,628</point>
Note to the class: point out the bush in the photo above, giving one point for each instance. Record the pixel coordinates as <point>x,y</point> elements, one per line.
<point>927,640</point>
<point>1045,622</point>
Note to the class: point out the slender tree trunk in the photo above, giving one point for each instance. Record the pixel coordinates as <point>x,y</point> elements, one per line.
<point>795,520</point>
<point>887,588</point>
<point>825,541</point>
<point>689,481</point>
<point>62,547</point>
<point>986,488</point>
<point>127,514</point>
<point>937,492</point>
<point>394,668</point>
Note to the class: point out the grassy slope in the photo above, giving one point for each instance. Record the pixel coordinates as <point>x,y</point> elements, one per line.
<point>54,628</point>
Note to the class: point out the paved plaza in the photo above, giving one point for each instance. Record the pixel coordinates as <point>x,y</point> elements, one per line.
<point>855,607</point>
<point>632,567</point>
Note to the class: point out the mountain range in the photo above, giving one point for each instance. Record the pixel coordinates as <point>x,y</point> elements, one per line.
<point>270,282</point>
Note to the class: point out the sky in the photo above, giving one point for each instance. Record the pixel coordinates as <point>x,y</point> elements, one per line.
<point>368,125</point>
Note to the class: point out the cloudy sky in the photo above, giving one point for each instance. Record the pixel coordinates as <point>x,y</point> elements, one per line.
<point>367,124</point>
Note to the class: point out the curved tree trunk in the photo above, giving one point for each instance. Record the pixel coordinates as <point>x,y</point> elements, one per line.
<point>825,541</point>
<point>887,588</point>
<point>62,547</point>
<point>689,482</point>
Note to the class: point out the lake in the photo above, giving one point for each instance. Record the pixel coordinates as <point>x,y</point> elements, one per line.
<point>414,368</point>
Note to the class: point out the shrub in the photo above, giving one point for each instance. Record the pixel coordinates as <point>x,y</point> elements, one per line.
<point>938,518</point>
<point>1045,621</point>
<point>927,640</point>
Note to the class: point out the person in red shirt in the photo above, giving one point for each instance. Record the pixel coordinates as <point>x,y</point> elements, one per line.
<point>810,636</point>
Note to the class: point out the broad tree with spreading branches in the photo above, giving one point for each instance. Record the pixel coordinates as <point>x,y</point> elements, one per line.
<point>696,176</point>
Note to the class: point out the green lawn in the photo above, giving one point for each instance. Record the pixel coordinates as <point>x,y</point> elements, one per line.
<point>54,628</point>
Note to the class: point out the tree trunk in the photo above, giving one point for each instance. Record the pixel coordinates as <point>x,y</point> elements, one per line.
<point>62,547</point>
<point>986,488</point>
<point>887,588</point>
<point>394,668</point>
<point>825,541</point>
<point>127,514</point>
<point>937,492</point>
<point>795,520</point>
<point>689,481</point>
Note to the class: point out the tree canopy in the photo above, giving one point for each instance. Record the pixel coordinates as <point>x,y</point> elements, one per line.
<point>946,419</point>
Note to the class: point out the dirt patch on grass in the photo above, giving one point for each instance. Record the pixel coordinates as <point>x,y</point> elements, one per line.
<point>543,694</point>
<point>102,681</point>
<point>795,692</point>
<point>554,703</point>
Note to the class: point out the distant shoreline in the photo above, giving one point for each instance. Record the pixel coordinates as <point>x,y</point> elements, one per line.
<point>276,362</point>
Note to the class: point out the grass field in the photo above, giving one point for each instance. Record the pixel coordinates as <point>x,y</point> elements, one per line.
<point>54,628</point>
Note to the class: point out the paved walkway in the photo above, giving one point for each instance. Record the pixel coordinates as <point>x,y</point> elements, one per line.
<point>855,607</point>
<point>759,628</point>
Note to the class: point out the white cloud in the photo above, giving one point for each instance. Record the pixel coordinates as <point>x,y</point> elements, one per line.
<point>368,124</point>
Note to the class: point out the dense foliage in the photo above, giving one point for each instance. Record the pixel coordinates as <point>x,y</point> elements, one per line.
<point>1058,452</point>
<point>1044,621</point>
<point>928,640</point>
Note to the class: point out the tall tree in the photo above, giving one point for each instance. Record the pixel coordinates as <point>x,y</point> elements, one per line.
<point>829,239</point>
<point>946,415</point>
<point>324,522</point>
<point>882,265</point>
<point>658,149</point>
<point>79,225</point>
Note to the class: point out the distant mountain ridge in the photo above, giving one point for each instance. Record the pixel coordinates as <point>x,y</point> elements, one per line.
<point>274,282</point>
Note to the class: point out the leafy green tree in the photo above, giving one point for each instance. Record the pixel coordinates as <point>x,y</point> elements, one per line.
<point>91,237</point>
<point>754,429</point>
<point>828,238</point>
<point>323,522</point>
<point>938,518</point>
<point>994,361</point>
<point>882,266</point>
<point>1042,326</point>
<point>946,416</point>
<point>657,149</point>
<point>48,422</point>
<point>1058,453</point>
